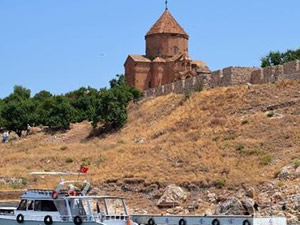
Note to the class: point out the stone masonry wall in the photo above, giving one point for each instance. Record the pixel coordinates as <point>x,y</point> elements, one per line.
<point>290,70</point>
<point>230,76</point>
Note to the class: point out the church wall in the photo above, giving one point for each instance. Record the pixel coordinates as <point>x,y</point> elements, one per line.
<point>157,73</point>
<point>130,72</point>
<point>142,75</point>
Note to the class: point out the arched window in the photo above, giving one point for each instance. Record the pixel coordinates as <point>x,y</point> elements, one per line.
<point>158,51</point>
<point>175,49</point>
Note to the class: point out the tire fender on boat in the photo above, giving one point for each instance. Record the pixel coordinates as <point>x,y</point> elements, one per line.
<point>20,218</point>
<point>151,222</point>
<point>215,222</point>
<point>77,220</point>
<point>182,222</point>
<point>246,222</point>
<point>48,220</point>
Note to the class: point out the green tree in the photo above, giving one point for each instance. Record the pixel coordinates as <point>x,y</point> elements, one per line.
<point>17,114</point>
<point>56,112</point>
<point>38,100</point>
<point>20,93</point>
<point>132,92</point>
<point>111,107</point>
<point>277,58</point>
<point>42,96</point>
<point>84,102</point>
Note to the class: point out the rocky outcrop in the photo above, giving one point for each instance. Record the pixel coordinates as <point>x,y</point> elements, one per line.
<point>289,172</point>
<point>234,206</point>
<point>172,196</point>
<point>11,181</point>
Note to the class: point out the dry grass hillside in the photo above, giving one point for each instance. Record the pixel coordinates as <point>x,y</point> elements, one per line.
<point>227,136</point>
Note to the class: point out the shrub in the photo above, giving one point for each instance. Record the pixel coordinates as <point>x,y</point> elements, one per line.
<point>265,160</point>
<point>296,163</point>
<point>24,181</point>
<point>244,122</point>
<point>63,148</point>
<point>270,114</point>
<point>239,147</point>
<point>68,160</point>
<point>229,137</point>
<point>220,183</point>
<point>85,162</point>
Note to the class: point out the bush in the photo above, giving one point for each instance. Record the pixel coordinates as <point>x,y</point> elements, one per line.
<point>270,114</point>
<point>244,122</point>
<point>68,160</point>
<point>220,183</point>
<point>296,163</point>
<point>265,160</point>
<point>239,147</point>
<point>63,148</point>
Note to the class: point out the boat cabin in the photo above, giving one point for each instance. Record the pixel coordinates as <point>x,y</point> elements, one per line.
<point>39,205</point>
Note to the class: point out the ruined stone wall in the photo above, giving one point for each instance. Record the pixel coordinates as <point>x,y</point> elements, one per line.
<point>230,76</point>
<point>290,70</point>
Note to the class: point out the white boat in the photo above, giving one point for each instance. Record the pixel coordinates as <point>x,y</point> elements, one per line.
<point>66,205</point>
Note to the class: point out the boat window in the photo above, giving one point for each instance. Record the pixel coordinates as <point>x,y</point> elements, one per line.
<point>22,205</point>
<point>45,205</point>
<point>30,205</point>
<point>38,206</point>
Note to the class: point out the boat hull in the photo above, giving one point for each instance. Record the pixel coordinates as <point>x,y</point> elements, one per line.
<point>32,222</point>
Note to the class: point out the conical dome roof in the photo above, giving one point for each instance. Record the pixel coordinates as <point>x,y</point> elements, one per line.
<point>166,24</point>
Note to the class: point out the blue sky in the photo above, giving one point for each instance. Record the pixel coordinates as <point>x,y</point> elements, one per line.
<point>61,45</point>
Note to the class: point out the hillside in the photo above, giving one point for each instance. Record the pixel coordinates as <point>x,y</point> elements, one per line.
<point>225,139</point>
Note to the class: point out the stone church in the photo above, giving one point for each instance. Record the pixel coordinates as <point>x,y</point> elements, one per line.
<point>166,59</point>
